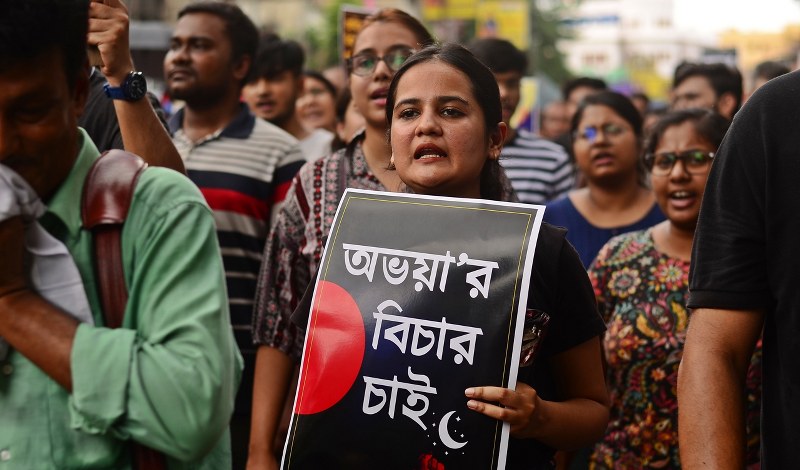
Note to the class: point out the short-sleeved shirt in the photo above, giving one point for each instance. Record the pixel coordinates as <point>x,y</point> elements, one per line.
<point>641,294</point>
<point>560,287</point>
<point>746,249</point>
<point>587,238</point>
<point>244,171</point>
<point>539,170</point>
<point>168,377</point>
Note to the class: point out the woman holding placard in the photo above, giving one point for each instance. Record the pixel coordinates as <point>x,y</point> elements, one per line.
<point>446,129</point>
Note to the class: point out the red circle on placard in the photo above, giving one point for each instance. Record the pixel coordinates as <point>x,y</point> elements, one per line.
<point>334,350</point>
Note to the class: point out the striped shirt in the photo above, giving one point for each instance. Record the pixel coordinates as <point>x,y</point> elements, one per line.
<point>539,170</point>
<point>244,172</point>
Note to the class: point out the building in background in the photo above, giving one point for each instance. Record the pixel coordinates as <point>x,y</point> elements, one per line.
<point>633,44</point>
<point>756,47</point>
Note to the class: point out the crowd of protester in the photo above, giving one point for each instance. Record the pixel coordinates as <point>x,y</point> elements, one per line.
<point>260,151</point>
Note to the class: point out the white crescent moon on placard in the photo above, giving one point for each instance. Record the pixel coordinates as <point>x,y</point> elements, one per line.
<point>444,434</point>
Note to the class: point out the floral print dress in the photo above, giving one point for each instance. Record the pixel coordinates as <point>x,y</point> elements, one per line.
<point>641,294</point>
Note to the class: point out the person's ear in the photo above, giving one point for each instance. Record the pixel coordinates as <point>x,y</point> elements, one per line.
<point>726,105</point>
<point>496,140</point>
<point>241,68</point>
<point>80,91</point>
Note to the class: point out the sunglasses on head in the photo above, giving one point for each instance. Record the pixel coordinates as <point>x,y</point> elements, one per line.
<point>364,64</point>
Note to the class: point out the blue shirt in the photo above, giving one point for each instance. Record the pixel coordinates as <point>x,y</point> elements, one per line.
<point>585,237</point>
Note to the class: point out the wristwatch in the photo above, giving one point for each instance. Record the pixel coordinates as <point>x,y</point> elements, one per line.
<point>133,88</point>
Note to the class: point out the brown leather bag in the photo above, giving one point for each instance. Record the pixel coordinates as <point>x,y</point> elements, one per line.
<point>107,194</point>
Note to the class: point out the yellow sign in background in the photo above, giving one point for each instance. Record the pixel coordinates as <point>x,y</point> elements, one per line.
<point>507,19</point>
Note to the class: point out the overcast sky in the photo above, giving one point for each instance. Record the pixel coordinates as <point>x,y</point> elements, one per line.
<point>745,15</point>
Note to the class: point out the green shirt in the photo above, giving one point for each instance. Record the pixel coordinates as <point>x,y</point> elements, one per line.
<point>167,379</point>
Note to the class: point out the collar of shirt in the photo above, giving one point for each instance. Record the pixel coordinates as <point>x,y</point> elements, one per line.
<point>65,205</point>
<point>358,162</point>
<point>240,127</point>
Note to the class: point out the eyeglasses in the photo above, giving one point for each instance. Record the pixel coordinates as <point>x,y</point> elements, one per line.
<point>609,130</point>
<point>364,64</point>
<point>315,92</point>
<point>694,161</point>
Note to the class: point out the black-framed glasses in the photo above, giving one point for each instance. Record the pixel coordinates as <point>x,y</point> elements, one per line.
<point>694,161</point>
<point>608,129</point>
<point>364,64</point>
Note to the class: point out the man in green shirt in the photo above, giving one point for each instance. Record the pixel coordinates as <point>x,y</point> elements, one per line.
<point>73,395</point>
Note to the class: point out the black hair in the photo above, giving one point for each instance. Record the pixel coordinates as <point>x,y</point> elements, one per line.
<point>619,103</point>
<point>722,78</point>
<point>622,106</point>
<point>596,84</point>
<point>499,55</point>
<point>29,28</point>
<point>708,124</point>
<point>322,79</point>
<point>770,69</point>
<point>640,95</point>
<point>484,88</point>
<point>275,56</point>
<point>240,29</point>
<point>342,102</point>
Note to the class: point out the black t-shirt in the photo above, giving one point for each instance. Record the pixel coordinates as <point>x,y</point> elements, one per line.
<point>99,117</point>
<point>746,248</point>
<point>560,287</point>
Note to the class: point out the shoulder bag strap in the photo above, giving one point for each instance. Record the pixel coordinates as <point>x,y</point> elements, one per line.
<point>107,194</point>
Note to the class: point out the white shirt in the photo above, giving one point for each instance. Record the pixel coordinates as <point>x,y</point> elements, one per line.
<point>52,271</point>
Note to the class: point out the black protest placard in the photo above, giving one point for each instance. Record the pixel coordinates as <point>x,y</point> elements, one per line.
<point>417,299</point>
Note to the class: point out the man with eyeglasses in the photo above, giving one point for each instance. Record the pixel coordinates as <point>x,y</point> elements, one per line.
<point>242,165</point>
<point>539,170</point>
<point>273,86</point>
<point>744,280</point>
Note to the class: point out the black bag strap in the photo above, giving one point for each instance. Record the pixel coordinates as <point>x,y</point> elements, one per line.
<point>107,195</point>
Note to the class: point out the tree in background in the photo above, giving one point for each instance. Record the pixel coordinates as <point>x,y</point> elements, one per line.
<point>547,31</point>
<point>322,41</point>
